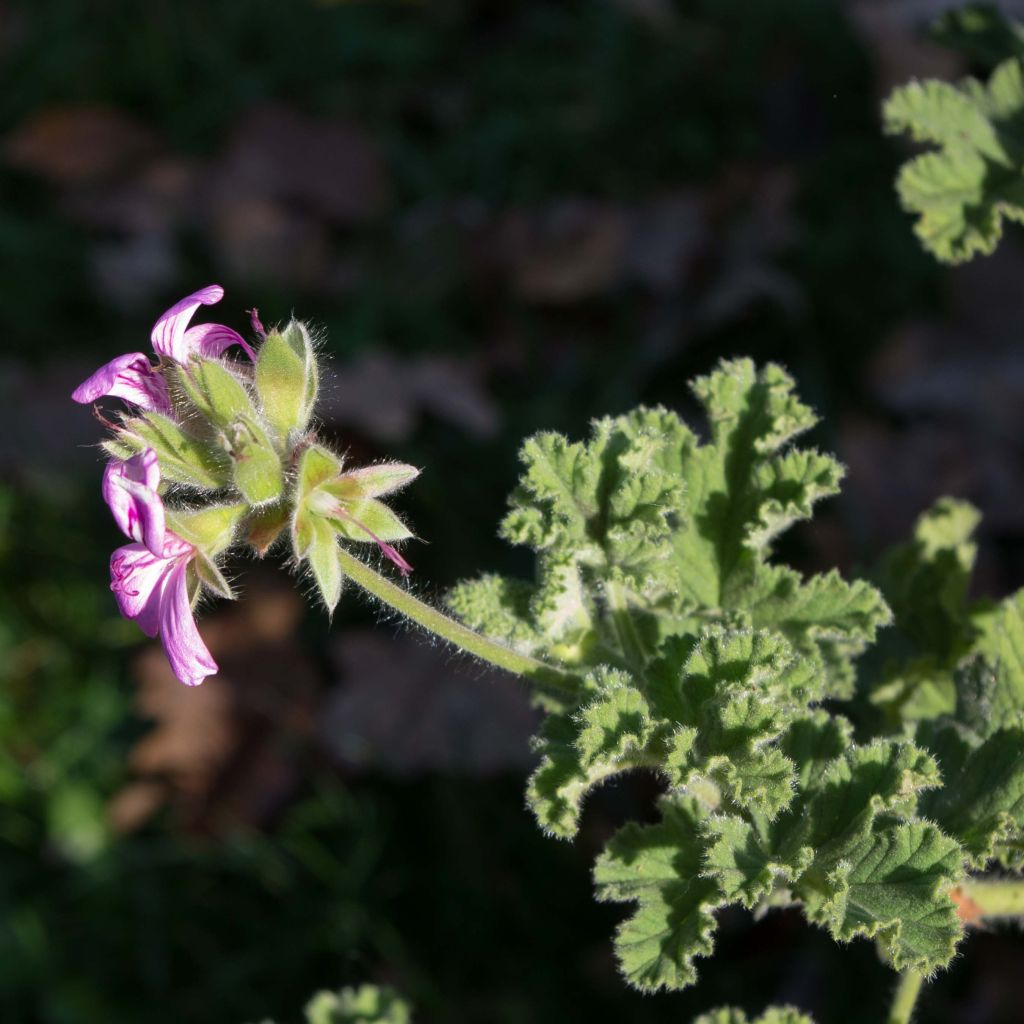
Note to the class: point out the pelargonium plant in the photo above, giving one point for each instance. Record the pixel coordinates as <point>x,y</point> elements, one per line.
<point>852,748</point>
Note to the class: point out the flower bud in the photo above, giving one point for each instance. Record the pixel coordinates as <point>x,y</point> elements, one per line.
<point>184,458</point>
<point>215,391</point>
<point>286,379</point>
<point>257,466</point>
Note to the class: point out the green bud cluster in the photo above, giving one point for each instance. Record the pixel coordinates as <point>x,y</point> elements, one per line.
<point>239,441</point>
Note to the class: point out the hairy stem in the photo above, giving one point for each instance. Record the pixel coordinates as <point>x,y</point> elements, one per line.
<point>906,996</point>
<point>547,676</point>
<point>995,897</point>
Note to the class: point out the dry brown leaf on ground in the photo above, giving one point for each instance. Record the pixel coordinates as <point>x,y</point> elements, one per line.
<point>564,252</point>
<point>327,167</point>
<point>78,145</point>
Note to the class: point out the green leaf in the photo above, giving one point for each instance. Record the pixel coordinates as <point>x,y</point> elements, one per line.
<point>773,1015</point>
<point>892,885</point>
<point>963,192</point>
<point>1000,642</point>
<point>644,533</point>
<point>497,607</point>
<point>607,736</point>
<point>659,867</point>
<point>367,1004</point>
<point>925,582</point>
<point>982,805</point>
<point>734,693</point>
<point>849,847</point>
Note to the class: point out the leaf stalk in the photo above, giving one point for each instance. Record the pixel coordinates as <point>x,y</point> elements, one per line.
<point>906,997</point>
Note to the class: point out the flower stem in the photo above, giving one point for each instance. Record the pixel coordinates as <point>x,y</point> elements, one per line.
<point>906,996</point>
<point>547,676</point>
<point>995,897</point>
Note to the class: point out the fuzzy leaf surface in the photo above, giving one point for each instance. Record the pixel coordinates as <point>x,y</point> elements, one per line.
<point>658,867</point>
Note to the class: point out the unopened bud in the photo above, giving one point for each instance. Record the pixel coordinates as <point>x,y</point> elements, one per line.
<point>287,379</point>
<point>257,465</point>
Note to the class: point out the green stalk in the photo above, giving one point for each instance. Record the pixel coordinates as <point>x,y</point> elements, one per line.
<point>547,676</point>
<point>906,996</point>
<point>630,641</point>
<point>995,898</point>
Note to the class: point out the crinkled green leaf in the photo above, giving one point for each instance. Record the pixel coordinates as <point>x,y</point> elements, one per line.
<point>773,1015</point>
<point>659,866</point>
<point>367,1004</point>
<point>497,607</point>
<point>850,849</point>
<point>925,582</point>
<point>645,533</point>
<point>891,884</point>
<point>982,807</point>
<point>1000,643</point>
<point>735,692</point>
<point>962,192</point>
<point>604,737</point>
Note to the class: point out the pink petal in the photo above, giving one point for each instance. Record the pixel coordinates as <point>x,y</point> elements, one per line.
<point>129,489</point>
<point>136,578</point>
<point>168,335</point>
<point>131,377</point>
<point>210,340</point>
<point>188,655</point>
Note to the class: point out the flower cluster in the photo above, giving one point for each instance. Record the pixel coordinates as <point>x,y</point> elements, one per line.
<point>212,451</point>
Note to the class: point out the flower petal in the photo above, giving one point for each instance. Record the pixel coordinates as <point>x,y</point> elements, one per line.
<point>129,489</point>
<point>136,578</point>
<point>210,341</point>
<point>168,335</point>
<point>188,655</point>
<point>131,377</point>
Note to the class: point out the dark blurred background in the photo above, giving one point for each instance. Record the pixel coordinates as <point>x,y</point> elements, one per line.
<point>502,217</point>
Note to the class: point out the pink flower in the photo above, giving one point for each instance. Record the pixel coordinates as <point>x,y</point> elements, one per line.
<point>149,577</point>
<point>132,376</point>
